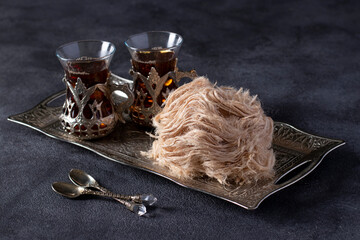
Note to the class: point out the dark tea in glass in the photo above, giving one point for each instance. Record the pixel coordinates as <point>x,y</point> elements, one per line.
<point>91,72</point>
<point>163,62</point>
<point>148,50</point>
<point>89,110</point>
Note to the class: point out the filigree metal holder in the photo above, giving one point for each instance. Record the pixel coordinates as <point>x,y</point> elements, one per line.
<point>154,84</point>
<point>98,125</point>
<point>79,125</point>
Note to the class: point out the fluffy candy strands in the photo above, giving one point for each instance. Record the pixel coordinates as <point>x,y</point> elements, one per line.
<point>218,132</point>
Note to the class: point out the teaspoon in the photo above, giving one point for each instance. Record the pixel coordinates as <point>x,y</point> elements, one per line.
<point>72,191</point>
<point>84,179</point>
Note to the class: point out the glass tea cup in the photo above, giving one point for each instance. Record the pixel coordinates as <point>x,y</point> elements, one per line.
<point>154,71</point>
<point>89,110</point>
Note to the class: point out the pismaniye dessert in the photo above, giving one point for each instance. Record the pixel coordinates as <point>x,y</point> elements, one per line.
<point>216,132</point>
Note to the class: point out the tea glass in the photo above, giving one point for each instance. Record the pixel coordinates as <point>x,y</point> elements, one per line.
<point>154,71</point>
<point>91,110</point>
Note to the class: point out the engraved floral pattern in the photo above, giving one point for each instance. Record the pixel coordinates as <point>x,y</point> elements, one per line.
<point>287,135</point>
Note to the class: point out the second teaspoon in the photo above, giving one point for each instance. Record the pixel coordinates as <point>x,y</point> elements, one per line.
<point>84,179</point>
<point>72,191</point>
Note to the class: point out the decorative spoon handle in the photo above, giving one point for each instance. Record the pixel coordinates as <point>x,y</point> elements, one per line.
<point>104,194</point>
<point>140,209</point>
<point>120,198</point>
<point>146,199</point>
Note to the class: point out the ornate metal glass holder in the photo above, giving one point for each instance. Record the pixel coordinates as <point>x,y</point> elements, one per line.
<point>91,109</point>
<point>73,118</point>
<point>154,85</point>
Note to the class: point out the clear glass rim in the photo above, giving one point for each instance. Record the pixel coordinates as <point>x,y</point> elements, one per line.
<point>153,50</point>
<point>82,41</point>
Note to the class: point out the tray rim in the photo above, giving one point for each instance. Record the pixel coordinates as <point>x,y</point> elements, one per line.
<point>298,177</point>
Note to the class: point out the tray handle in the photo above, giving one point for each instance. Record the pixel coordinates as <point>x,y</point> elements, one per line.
<point>307,164</point>
<point>47,101</point>
<point>295,173</point>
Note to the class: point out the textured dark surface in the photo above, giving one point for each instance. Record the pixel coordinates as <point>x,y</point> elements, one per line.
<point>302,59</point>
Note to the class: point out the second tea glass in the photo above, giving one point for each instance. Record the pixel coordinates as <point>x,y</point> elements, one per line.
<point>154,71</point>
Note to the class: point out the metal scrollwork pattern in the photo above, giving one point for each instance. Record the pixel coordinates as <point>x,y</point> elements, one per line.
<point>298,139</point>
<point>154,85</point>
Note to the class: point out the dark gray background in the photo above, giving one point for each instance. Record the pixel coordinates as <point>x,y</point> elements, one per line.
<point>300,57</point>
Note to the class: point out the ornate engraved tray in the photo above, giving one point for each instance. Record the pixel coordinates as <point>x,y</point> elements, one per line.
<point>297,154</point>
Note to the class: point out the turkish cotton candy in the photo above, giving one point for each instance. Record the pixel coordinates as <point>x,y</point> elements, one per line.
<point>219,132</point>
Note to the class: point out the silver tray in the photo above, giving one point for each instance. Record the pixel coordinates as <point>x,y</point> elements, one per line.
<point>297,154</point>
